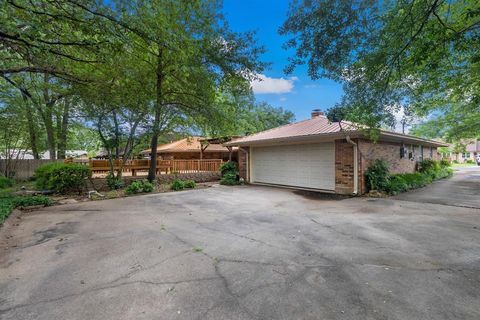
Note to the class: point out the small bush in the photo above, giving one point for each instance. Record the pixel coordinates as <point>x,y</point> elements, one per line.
<point>396,184</point>
<point>428,166</point>
<point>229,179</point>
<point>416,180</point>
<point>229,174</point>
<point>470,161</point>
<point>139,186</point>
<point>178,184</point>
<point>444,173</point>
<point>6,182</point>
<point>455,161</point>
<point>62,177</point>
<point>228,167</point>
<point>445,163</point>
<point>190,184</point>
<point>377,175</point>
<point>114,182</point>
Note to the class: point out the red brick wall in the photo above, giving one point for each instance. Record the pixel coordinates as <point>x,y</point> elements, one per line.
<point>390,152</point>
<point>243,163</point>
<point>343,167</point>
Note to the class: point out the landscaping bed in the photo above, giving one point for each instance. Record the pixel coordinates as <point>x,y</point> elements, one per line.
<point>381,182</point>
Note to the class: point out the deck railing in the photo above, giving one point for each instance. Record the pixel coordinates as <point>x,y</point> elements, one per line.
<point>166,166</point>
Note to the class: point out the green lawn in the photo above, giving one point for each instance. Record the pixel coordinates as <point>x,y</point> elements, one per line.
<point>464,165</point>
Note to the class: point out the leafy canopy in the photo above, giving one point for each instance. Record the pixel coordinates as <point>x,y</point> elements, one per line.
<point>420,53</point>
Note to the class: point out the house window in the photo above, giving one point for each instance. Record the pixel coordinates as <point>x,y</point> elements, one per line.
<point>403,152</point>
<point>431,152</point>
<point>420,158</point>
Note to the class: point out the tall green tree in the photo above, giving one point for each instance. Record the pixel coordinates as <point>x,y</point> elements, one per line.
<point>187,51</point>
<point>421,53</point>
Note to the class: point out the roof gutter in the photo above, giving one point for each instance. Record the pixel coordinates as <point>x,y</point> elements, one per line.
<point>355,164</point>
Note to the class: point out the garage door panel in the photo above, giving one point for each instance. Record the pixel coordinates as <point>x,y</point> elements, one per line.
<point>306,165</point>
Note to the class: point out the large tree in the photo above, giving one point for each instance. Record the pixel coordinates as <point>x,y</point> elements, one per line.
<point>187,51</point>
<point>421,53</point>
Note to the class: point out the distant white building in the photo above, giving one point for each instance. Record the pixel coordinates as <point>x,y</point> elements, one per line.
<point>27,154</point>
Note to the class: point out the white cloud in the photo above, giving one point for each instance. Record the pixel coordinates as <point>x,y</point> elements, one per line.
<point>266,84</point>
<point>283,99</point>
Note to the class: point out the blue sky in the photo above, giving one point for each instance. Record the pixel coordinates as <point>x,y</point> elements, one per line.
<point>296,92</point>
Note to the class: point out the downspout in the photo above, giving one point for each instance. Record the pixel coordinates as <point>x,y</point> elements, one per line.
<point>355,164</point>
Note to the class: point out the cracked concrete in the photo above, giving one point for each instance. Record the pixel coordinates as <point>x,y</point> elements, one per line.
<point>243,253</point>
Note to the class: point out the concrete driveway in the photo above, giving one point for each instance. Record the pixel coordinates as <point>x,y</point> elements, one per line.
<point>242,253</point>
<point>462,190</point>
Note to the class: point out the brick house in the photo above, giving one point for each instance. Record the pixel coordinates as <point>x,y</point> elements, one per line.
<point>193,148</point>
<point>316,154</point>
<point>472,150</point>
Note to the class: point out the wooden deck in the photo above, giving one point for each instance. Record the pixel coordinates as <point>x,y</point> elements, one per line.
<point>142,165</point>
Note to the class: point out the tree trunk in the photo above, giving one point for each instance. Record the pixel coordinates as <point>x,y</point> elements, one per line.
<point>50,135</point>
<point>32,130</point>
<point>152,171</point>
<point>63,131</point>
<point>47,116</point>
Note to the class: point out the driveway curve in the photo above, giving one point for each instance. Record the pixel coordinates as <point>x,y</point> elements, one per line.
<point>461,190</point>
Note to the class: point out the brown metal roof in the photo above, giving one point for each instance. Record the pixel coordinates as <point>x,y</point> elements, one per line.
<point>190,144</point>
<point>319,126</point>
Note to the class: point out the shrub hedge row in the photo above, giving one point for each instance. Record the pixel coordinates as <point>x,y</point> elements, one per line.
<point>378,176</point>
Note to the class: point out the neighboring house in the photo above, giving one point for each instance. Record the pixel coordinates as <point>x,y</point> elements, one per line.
<point>76,154</point>
<point>193,148</point>
<point>28,155</point>
<point>316,154</point>
<point>471,151</point>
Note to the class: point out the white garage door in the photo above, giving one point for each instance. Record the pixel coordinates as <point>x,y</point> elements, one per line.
<point>302,165</point>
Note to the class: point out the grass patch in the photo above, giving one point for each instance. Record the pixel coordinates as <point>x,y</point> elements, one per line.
<point>197,249</point>
<point>461,165</point>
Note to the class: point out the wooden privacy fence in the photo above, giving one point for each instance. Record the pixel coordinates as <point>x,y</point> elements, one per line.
<point>22,169</point>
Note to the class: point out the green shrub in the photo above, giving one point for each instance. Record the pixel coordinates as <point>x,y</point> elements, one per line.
<point>444,172</point>
<point>62,177</point>
<point>416,179</point>
<point>148,186</point>
<point>229,179</point>
<point>445,163</point>
<point>8,203</point>
<point>6,182</point>
<point>396,184</point>
<point>377,175</point>
<point>178,184</point>
<point>228,167</point>
<point>470,161</point>
<point>190,184</point>
<point>139,186</point>
<point>428,166</point>
<point>114,182</point>
<point>455,161</point>
<point>229,174</point>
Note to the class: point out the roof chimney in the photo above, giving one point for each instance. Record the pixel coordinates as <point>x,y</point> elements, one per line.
<point>316,113</point>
